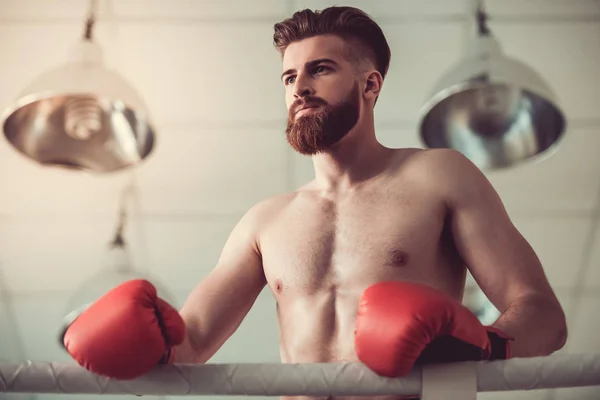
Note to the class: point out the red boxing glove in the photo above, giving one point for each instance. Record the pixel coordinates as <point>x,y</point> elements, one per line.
<point>400,325</point>
<point>126,333</point>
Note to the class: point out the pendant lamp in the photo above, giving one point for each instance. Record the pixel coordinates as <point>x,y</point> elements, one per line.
<point>81,115</point>
<point>494,109</point>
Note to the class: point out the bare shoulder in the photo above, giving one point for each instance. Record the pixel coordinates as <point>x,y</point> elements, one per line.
<point>445,171</point>
<point>438,164</point>
<point>429,161</point>
<point>266,209</point>
<point>263,213</point>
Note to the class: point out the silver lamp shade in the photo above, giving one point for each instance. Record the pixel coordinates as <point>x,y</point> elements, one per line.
<point>82,116</point>
<point>494,109</point>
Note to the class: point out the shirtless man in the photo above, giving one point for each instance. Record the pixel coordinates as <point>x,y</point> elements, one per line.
<point>378,236</point>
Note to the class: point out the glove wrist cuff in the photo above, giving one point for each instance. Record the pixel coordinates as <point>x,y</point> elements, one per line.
<point>499,344</point>
<point>168,357</point>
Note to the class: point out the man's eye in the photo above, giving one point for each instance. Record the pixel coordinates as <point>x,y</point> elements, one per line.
<point>320,68</point>
<point>288,80</point>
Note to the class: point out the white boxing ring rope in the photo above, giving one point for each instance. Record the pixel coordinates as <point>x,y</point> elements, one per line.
<point>556,371</point>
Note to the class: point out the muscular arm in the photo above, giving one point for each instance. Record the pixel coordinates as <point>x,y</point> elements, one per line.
<point>501,261</point>
<point>216,307</point>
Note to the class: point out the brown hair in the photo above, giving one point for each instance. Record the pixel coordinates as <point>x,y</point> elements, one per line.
<point>365,38</point>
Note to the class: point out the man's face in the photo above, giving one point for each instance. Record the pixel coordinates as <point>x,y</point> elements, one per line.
<point>322,93</point>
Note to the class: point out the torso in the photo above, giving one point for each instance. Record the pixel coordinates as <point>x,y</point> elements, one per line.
<point>321,252</point>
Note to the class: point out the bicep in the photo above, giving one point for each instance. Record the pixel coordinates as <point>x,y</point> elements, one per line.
<point>500,259</point>
<point>217,305</point>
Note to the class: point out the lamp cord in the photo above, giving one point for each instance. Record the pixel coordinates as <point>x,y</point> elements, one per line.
<point>91,19</point>
<point>118,238</point>
<point>482,18</point>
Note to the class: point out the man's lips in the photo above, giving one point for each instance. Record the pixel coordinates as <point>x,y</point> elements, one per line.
<point>306,107</point>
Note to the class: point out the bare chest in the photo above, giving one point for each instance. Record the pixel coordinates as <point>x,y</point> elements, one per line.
<point>318,244</point>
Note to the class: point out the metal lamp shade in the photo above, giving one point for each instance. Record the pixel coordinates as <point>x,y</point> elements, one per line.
<point>495,110</point>
<point>82,116</point>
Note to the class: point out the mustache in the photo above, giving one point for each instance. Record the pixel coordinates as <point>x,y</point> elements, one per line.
<point>306,102</point>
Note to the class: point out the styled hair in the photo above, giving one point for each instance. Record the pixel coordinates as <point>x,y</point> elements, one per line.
<point>365,38</point>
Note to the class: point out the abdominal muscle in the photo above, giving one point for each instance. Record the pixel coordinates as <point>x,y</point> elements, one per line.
<point>320,329</point>
<point>317,328</point>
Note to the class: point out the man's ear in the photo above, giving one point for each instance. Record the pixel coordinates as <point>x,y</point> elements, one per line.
<point>373,85</point>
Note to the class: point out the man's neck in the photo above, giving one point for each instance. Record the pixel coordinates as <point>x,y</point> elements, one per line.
<point>357,158</point>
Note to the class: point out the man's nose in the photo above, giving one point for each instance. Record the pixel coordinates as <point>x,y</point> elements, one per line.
<point>302,88</point>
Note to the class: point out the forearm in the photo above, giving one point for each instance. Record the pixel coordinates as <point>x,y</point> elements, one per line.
<point>185,353</point>
<point>537,325</point>
<point>195,348</point>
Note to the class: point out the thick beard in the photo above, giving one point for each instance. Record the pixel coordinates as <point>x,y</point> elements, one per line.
<point>319,130</point>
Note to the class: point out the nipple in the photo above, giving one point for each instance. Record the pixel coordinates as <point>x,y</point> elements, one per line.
<point>399,258</point>
<point>278,286</point>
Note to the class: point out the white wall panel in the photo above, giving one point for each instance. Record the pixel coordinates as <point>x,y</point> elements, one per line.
<point>40,320</point>
<point>11,347</point>
<point>420,55</point>
<point>20,11</point>
<point>532,10</point>
<point>568,180</point>
<point>53,254</point>
<point>592,276</point>
<point>31,190</point>
<point>416,10</point>
<point>180,252</point>
<point>219,171</point>
<point>583,339</point>
<point>565,54</point>
<point>32,50</point>
<point>160,10</point>
<point>140,10</point>
<point>203,10</point>
<point>559,243</point>
<point>191,73</point>
<point>303,169</point>
<point>391,9</point>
